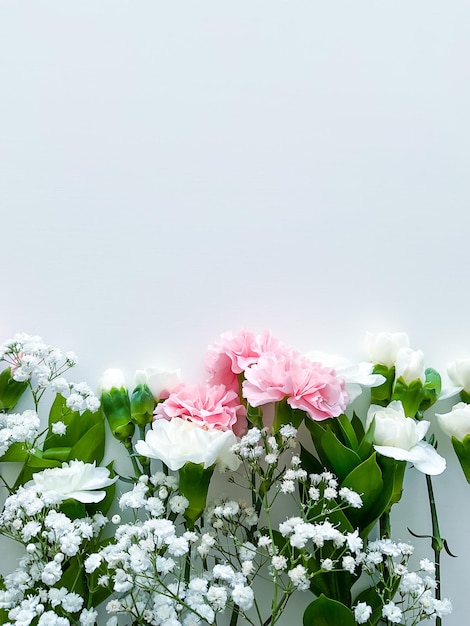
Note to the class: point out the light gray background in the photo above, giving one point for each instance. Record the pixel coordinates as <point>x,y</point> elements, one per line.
<point>172,170</point>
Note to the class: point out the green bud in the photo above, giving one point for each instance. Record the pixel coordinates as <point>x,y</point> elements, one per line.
<point>142,405</point>
<point>194,482</point>
<point>117,409</point>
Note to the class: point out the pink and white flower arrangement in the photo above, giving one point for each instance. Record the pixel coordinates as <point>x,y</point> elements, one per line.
<point>180,558</point>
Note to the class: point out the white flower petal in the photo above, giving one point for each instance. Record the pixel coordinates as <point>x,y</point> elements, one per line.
<point>423,456</point>
<point>177,441</point>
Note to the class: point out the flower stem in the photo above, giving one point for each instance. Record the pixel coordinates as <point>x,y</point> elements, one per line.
<point>437,541</point>
<point>385,525</point>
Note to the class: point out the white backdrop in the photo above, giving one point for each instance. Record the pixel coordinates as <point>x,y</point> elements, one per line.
<point>172,170</point>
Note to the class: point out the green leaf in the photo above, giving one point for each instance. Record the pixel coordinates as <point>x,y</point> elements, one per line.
<point>317,431</point>
<point>358,426</point>
<point>351,440</point>
<point>17,452</point>
<point>326,612</point>
<point>90,447</point>
<point>341,460</point>
<point>372,598</point>
<point>366,480</point>
<point>462,450</point>
<point>34,463</point>
<point>310,463</point>
<point>73,577</point>
<point>366,447</point>
<point>10,390</point>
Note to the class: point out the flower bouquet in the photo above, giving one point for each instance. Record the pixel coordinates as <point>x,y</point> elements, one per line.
<point>301,504</point>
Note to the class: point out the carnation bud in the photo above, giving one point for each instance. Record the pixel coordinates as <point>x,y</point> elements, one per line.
<point>142,405</point>
<point>116,405</point>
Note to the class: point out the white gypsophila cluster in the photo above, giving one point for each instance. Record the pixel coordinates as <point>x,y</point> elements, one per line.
<point>159,571</point>
<point>18,428</point>
<point>43,366</point>
<point>312,543</point>
<point>33,592</point>
<point>386,563</point>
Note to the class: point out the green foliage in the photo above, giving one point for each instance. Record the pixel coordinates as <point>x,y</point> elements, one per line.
<point>345,449</point>
<point>84,438</point>
<point>327,612</point>
<point>10,390</point>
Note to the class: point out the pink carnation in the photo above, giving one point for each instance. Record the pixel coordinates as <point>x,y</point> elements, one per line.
<point>209,406</point>
<point>308,386</point>
<point>225,360</point>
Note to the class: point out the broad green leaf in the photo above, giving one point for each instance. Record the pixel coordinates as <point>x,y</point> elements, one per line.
<point>73,577</point>
<point>10,390</point>
<point>58,454</point>
<point>90,447</point>
<point>310,463</point>
<point>366,480</point>
<point>334,585</point>
<point>16,453</point>
<point>77,424</point>
<point>34,463</point>
<point>372,598</point>
<point>341,460</point>
<point>317,431</point>
<point>326,612</point>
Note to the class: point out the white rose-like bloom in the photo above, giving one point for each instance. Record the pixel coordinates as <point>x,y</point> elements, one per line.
<point>383,347</point>
<point>459,374</point>
<point>409,365</point>
<point>111,378</point>
<point>76,480</point>
<point>177,441</point>
<point>401,438</point>
<point>355,375</point>
<point>456,423</point>
<point>158,381</point>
